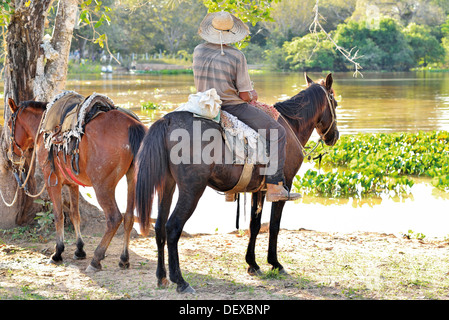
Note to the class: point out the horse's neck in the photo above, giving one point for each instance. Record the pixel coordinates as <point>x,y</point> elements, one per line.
<point>303,132</point>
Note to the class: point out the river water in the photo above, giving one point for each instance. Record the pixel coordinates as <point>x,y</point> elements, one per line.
<point>378,102</point>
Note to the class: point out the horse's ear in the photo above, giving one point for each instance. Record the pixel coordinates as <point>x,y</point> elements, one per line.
<point>308,80</point>
<point>12,105</point>
<point>329,81</point>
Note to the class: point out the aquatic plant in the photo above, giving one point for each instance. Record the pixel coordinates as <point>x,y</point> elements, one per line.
<point>149,106</point>
<point>374,163</point>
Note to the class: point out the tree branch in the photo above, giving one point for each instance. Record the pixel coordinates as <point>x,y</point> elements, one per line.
<point>349,55</point>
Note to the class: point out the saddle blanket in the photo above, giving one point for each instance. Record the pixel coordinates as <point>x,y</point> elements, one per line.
<point>246,145</point>
<point>66,114</point>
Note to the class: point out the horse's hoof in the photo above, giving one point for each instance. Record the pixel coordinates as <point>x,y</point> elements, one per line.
<point>123,265</point>
<point>79,256</point>
<point>283,272</point>
<point>92,269</point>
<point>55,262</point>
<point>255,272</point>
<point>187,289</point>
<point>163,283</point>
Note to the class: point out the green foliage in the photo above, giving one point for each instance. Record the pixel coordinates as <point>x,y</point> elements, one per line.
<point>312,52</point>
<point>426,48</point>
<point>95,13</point>
<point>247,10</point>
<point>383,48</point>
<point>149,106</point>
<point>45,217</point>
<point>6,10</point>
<point>376,163</point>
<point>388,47</point>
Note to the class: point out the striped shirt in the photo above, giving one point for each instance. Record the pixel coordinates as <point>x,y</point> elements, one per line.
<point>228,74</point>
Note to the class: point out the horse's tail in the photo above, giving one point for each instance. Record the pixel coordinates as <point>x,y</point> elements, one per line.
<point>136,132</point>
<point>152,165</point>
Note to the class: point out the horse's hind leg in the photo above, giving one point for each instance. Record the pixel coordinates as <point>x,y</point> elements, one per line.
<point>76,221</point>
<point>163,212</point>
<point>106,199</point>
<point>128,221</point>
<point>187,201</point>
<point>275,221</point>
<point>254,228</point>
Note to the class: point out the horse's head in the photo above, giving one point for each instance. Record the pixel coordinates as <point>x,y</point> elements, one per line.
<point>327,123</point>
<point>20,138</point>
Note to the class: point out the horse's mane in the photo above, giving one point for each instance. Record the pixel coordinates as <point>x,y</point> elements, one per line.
<point>33,104</point>
<point>303,106</point>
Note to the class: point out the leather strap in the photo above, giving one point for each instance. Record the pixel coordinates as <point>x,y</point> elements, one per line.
<point>244,179</point>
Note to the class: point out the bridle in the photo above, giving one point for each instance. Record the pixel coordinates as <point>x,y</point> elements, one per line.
<point>330,97</point>
<point>12,142</point>
<point>19,165</point>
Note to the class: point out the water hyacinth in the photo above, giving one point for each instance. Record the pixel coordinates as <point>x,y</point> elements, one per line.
<point>376,163</point>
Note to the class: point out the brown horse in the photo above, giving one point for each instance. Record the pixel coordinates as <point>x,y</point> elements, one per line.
<point>159,169</point>
<point>106,153</point>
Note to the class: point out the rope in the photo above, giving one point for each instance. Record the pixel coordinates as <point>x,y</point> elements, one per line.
<point>33,156</point>
<point>13,201</point>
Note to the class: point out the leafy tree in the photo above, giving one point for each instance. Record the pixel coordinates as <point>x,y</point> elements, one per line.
<point>384,48</point>
<point>306,53</point>
<point>425,46</point>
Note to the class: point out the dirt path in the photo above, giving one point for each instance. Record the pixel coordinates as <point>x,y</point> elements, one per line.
<point>320,266</point>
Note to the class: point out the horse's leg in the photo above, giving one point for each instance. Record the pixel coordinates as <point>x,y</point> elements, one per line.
<point>187,201</point>
<point>106,199</point>
<point>55,196</point>
<point>76,221</point>
<point>254,228</point>
<point>161,236</point>
<point>128,221</point>
<point>275,222</point>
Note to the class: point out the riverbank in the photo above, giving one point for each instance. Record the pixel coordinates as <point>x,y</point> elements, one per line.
<point>321,266</point>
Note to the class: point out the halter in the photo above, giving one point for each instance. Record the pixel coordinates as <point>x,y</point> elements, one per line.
<point>19,172</point>
<point>10,152</point>
<point>329,97</point>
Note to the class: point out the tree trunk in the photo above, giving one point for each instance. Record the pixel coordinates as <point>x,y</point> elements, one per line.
<point>52,63</point>
<point>25,33</point>
<point>36,69</point>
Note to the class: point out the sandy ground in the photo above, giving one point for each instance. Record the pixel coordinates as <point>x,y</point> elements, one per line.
<point>320,266</point>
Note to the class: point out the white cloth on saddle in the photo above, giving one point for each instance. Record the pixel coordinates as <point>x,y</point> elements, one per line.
<point>205,104</point>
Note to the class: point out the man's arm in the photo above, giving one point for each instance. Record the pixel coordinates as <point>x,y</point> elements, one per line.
<point>248,96</point>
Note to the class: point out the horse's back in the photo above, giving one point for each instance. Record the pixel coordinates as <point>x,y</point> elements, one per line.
<point>204,156</point>
<point>106,143</point>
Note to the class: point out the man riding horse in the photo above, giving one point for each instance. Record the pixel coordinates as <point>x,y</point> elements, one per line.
<point>217,65</point>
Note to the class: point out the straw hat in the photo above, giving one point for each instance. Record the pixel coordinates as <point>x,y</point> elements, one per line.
<point>222,28</point>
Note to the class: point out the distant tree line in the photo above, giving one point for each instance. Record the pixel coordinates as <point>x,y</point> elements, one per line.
<point>388,35</point>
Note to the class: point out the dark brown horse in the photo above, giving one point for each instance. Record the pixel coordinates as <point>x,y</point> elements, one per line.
<point>159,169</point>
<point>106,153</point>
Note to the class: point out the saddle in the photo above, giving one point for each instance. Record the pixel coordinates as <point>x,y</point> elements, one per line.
<point>249,148</point>
<point>64,122</point>
<point>245,145</point>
